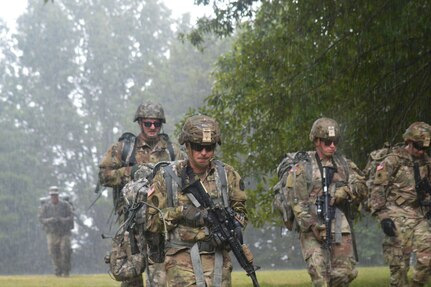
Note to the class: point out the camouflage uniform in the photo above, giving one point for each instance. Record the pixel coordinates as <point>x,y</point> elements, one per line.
<point>57,221</point>
<point>393,197</point>
<point>303,187</point>
<point>181,236</point>
<point>114,173</point>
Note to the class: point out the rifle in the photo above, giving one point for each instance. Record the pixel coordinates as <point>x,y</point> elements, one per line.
<point>324,208</point>
<point>222,221</point>
<point>422,187</point>
<point>327,212</point>
<point>99,194</point>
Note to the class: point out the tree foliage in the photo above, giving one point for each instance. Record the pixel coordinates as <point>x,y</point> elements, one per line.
<point>226,14</point>
<point>364,63</point>
<point>72,76</point>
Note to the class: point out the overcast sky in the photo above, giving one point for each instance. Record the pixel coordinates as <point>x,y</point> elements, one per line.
<point>11,9</point>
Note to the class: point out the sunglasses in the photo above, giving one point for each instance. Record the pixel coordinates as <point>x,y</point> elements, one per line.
<point>199,147</point>
<point>328,142</point>
<point>157,124</point>
<point>419,146</point>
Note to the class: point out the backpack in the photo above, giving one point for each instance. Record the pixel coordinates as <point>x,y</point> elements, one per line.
<point>130,246</point>
<point>374,159</point>
<point>281,200</point>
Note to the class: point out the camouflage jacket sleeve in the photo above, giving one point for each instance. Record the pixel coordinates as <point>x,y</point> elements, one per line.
<point>159,209</point>
<point>358,190</point>
<point>111,170</point>
<point>68,218</point>
<point>43,218</point>
<point>237,195</point>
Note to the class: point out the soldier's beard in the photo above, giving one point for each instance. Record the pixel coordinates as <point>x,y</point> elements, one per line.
<point>151,140</point>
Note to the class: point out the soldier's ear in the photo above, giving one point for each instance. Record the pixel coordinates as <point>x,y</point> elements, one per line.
<point>188,147</point>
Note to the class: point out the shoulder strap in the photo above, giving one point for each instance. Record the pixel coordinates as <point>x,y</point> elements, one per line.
<point>170,146</point>
<point>221,171</point>
<point>344,165</point>
<point>304,156</point>
<point>172,181</point>
<point>128,151</point>
<point>171,151</point>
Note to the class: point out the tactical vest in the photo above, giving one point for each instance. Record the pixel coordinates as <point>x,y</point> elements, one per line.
<point>174,185</point>
<point>173,182</point>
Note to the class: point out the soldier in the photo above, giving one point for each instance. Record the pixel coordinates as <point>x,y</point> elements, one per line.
<point>193,257</point>
<point>331,261</point>
<point>122,160</point>
<point>400,200</point>
<point>56,217</point>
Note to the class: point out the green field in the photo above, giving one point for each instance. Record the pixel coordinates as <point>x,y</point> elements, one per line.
<point>368,276</point>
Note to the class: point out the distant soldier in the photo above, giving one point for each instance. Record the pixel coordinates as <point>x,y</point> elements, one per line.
<point>400,200</point>
<point>195,255</point>
<point>122,160</point>
<point>56,217</point>
<point>322,188</point>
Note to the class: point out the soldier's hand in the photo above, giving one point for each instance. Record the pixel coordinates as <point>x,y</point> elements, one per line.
<point>388,227</point>
<point>217,239</point>
<point>193,216</point>
<point>341,194</point>
<point>316,230</point>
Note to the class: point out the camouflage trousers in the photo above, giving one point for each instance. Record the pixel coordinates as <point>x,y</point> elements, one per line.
<point>60,251</point>
<point>339,271</point>
<point>179,269</point>
<point>411,234</point>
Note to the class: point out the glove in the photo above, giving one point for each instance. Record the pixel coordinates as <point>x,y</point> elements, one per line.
<point>388,227</point>
<point>193,216</point>
<point>341,194</point>
<point>133,170</point>
<point>216,238</point>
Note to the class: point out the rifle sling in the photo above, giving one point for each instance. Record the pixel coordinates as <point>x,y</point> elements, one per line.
<point>197,266</point>
<point>221,173</point>
<point>171,180</point>
<point>218,268</point>
<point>193,199</point>
<point>338,220</point>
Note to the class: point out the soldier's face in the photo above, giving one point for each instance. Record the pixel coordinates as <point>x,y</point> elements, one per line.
<point>150,127</point>
<point>416,149</point>
<point>325,148</point>
<point>200,155</point>
<point>54,199</point>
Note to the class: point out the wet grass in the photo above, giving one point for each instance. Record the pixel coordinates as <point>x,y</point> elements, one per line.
<point>368,276</point>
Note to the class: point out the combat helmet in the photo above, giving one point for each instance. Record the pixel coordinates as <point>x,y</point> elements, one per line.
<point>200,129</point>
<point>418,132</point>
<point>325,128</point>
<point>150,110</point>
<point>53,190</point>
